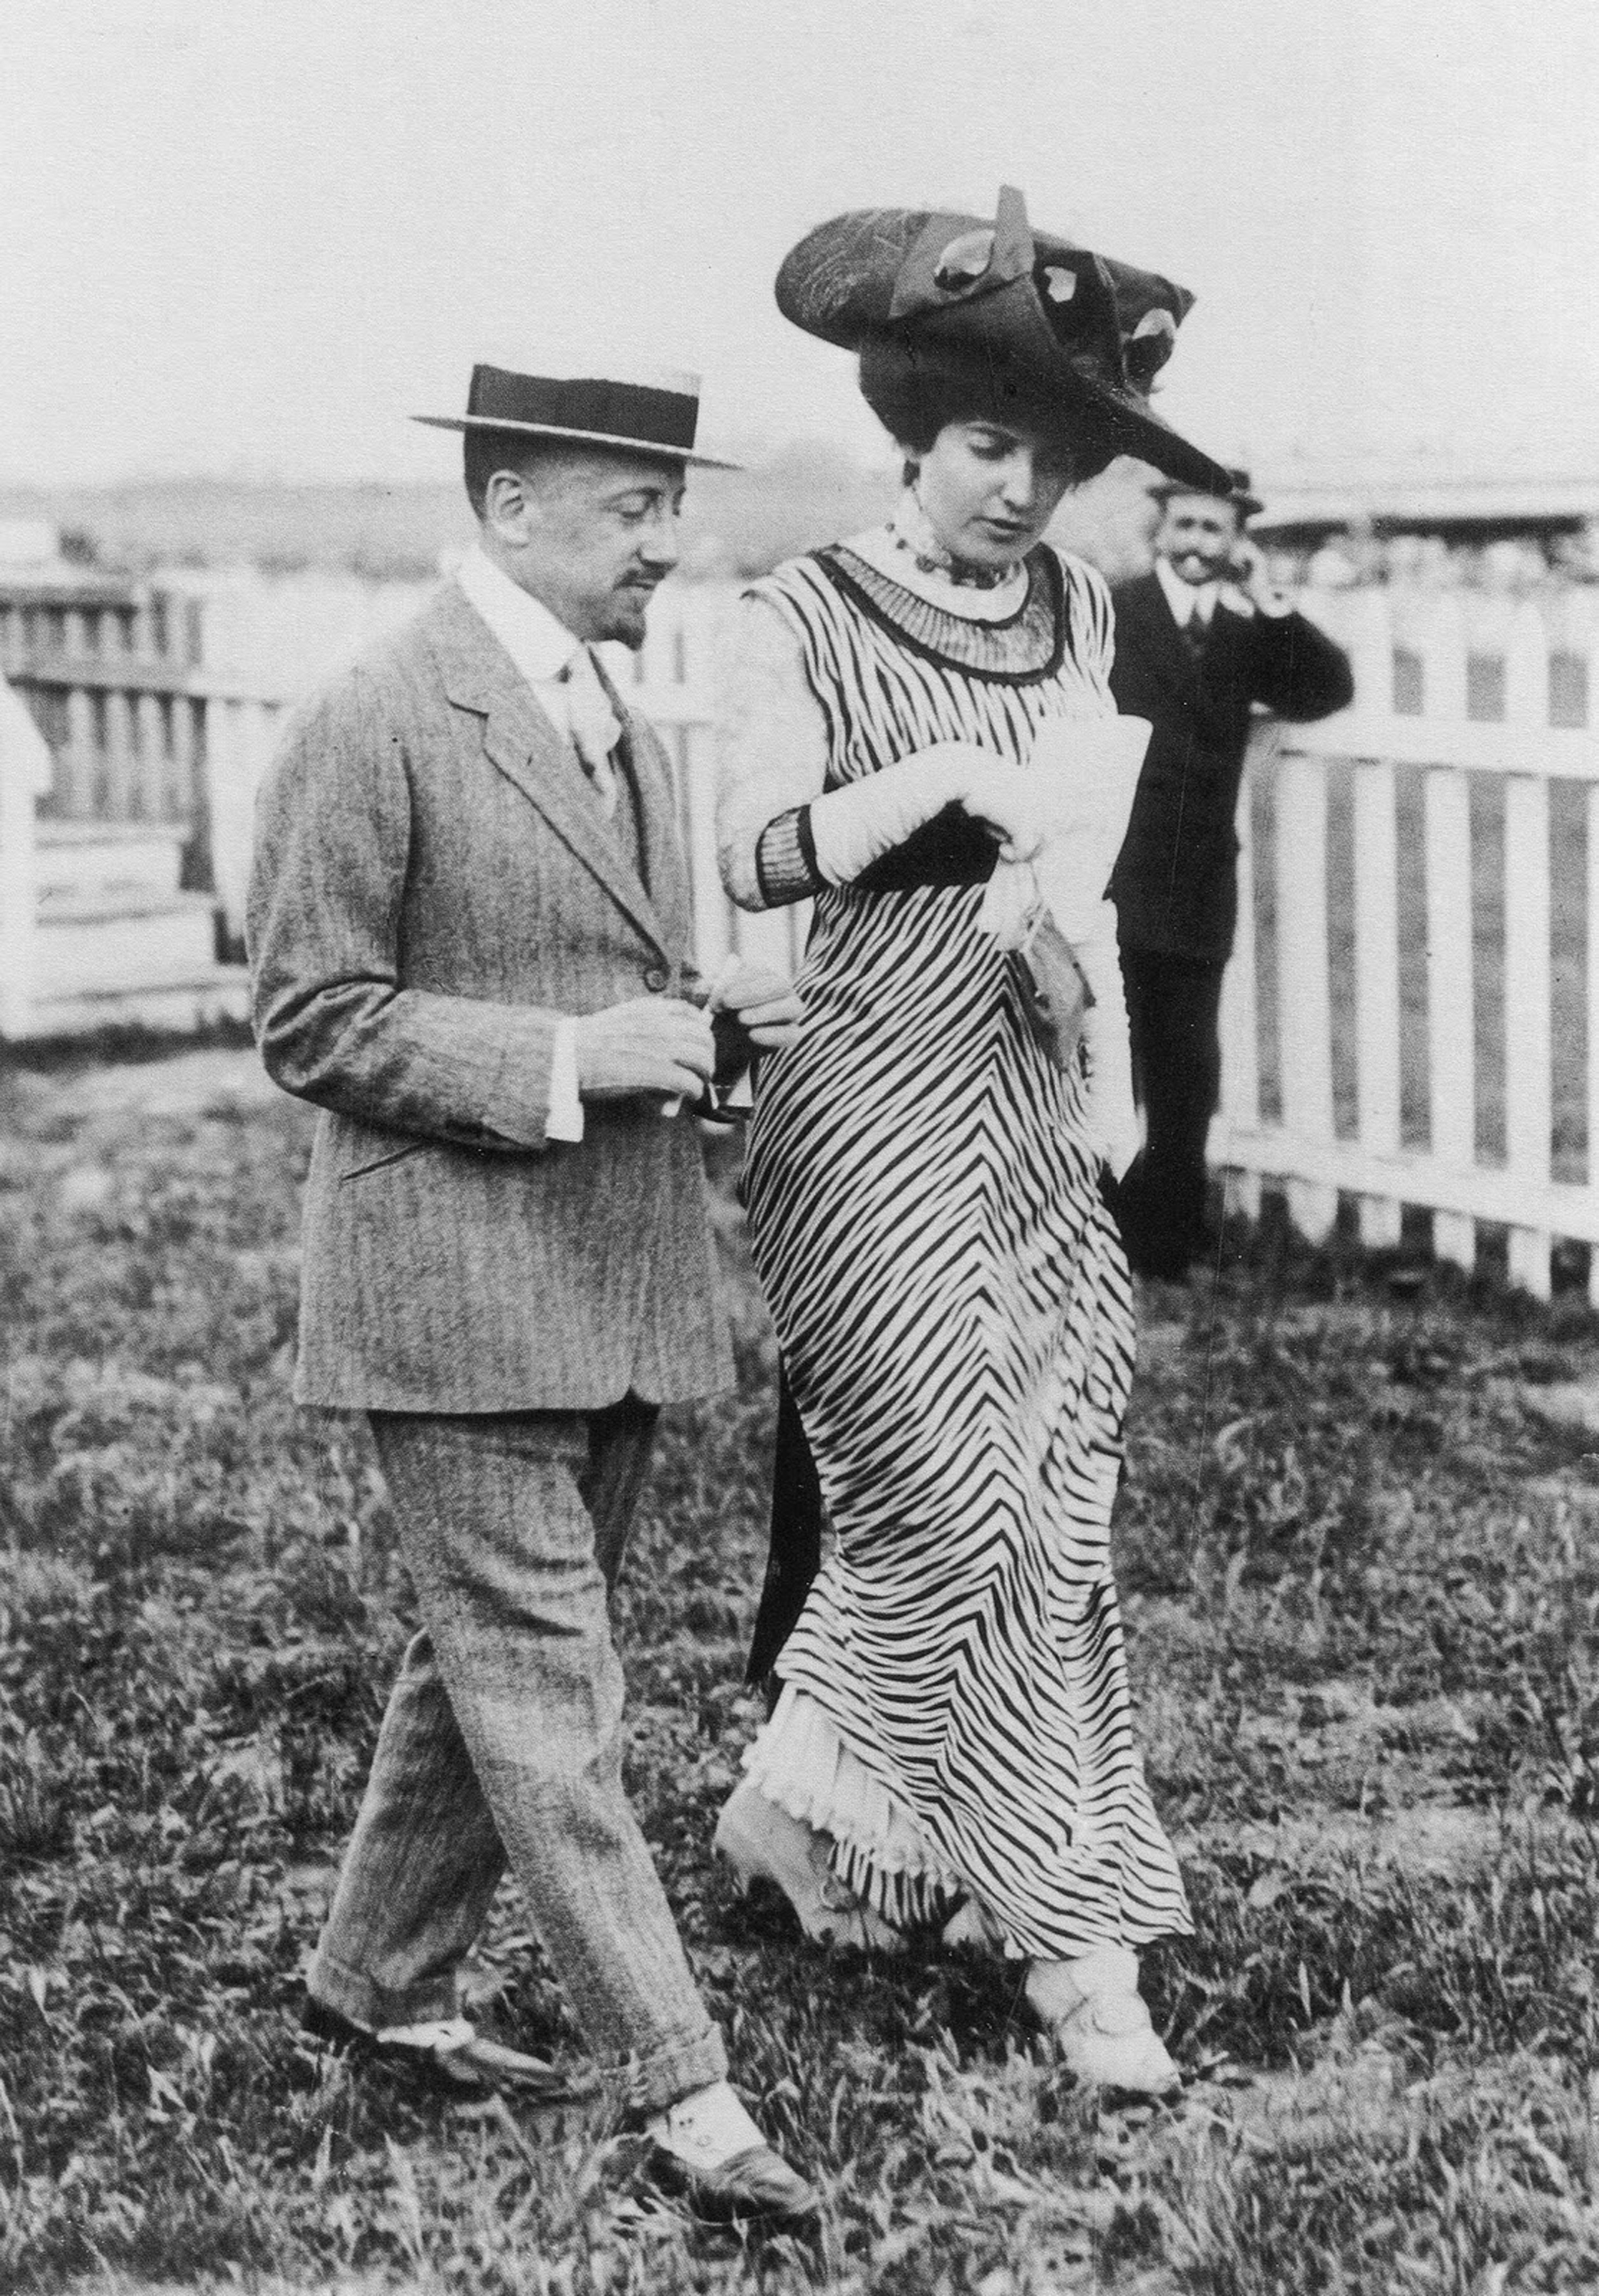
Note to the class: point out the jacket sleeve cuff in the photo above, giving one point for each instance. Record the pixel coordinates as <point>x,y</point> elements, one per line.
<point>786,868</point>
<point>515,1110</point>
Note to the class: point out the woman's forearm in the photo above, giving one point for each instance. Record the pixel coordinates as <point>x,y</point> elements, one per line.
<point>773,761</point>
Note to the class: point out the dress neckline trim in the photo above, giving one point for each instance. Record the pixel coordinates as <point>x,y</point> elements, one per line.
<point>916,623</point>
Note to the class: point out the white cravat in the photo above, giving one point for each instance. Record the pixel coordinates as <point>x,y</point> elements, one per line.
<point>593,726</point>
<point>559,668</point>
<point>1186,599</point>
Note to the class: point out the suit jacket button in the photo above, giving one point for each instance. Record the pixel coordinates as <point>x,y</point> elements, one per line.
<point>656,977</point>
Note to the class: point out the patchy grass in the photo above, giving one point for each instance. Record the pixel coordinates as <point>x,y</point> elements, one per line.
<point>1360,1580</point>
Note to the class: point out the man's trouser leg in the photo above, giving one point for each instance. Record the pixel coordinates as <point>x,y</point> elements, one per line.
<point>1173,1012</point>
<point>503,1738</point>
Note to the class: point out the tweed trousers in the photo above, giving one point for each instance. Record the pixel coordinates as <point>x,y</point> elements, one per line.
<point>503,1741</point>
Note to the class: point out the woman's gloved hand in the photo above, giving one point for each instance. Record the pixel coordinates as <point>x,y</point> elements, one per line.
<point>854,826</point>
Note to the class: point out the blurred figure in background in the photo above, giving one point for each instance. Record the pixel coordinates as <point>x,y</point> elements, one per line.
<point>1198,643</point>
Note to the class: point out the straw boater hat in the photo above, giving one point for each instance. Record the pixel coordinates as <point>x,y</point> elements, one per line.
<point>1051,324</point>
<point>656,413</point>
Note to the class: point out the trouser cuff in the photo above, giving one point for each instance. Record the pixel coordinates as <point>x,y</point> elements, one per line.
<point>357,1997</point>
<point>653,2083</point>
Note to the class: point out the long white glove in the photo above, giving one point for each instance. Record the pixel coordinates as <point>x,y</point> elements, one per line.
<point>853,826</point>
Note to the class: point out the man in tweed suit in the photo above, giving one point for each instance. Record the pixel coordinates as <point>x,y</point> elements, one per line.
<point>470,939</point>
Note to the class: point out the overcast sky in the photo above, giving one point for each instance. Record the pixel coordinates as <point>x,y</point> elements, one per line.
<point>251,240</point>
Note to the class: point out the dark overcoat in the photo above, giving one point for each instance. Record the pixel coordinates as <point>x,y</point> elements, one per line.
<point>433,886</point>
<point>1175,880</point>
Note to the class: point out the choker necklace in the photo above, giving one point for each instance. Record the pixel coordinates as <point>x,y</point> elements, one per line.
<point>911,530</point>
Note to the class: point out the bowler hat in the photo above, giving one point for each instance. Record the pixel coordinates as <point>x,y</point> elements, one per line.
<point>1236,491</point>
<point>1057,323</point>
<point>654,416</point>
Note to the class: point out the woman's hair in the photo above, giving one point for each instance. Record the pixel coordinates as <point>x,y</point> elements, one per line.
<point>915,388</point>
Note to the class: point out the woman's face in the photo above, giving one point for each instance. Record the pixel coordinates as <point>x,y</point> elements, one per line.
<point>989,491</point>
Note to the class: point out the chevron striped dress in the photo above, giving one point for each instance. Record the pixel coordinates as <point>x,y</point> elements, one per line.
<point>955,1314</point>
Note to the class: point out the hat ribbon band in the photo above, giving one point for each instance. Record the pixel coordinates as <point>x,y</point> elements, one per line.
<point>617,410</point>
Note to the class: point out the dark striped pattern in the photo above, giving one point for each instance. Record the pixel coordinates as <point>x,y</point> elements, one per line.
<point>955,1308</point>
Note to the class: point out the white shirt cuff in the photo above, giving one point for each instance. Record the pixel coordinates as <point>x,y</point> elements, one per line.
<point>565,1120</point>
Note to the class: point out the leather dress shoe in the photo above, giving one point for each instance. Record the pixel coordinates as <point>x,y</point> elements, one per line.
<point>451,2056</point>
<point>754,2188</point>
<point>705,2149</point>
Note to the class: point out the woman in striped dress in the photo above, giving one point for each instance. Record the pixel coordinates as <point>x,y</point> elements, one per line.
<point>916,722</point>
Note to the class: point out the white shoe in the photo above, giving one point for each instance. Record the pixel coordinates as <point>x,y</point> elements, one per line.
<point>1101,2022</point>
<point>762,1841</point>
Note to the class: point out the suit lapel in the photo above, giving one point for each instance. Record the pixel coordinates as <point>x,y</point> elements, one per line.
<point>521,742</point>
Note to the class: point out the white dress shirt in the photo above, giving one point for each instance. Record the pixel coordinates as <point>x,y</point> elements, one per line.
<point>542,649</point>
<point>1187,599</point>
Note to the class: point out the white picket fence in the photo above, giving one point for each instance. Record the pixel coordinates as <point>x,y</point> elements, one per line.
<point>1452,689</point>
<point>1360,1039</point>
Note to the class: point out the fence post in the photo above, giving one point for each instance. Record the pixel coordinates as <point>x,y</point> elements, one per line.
<point>1591,1150</point>
<point>238,741</point>
<point>1240,1018</point>
<point>25,774</point>
<point>1377,983</point>
<point>1528,1116</point>
<point>1370,637</point>
<point>1307,1047</point>
<point>1451,1020</point>
<point>1529,1056</point>
<point>713,912</point>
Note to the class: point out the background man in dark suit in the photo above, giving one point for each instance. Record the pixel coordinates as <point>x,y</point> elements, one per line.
<point>470,936</point>
<point>1199,642</point>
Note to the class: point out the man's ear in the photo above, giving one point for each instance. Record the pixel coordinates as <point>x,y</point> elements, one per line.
<point>508,505</point>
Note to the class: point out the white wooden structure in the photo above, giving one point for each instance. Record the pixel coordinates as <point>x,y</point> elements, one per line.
<point>1473,720</point>
<point>1365,1056</point>
<point>132,885</point>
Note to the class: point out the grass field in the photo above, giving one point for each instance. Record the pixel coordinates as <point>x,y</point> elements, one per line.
<point>1356,1548</point>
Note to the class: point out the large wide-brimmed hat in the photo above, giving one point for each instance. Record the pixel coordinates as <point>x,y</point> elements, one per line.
<point>1237,491</point>
<point>1053,322</point>
<point>653,414</point>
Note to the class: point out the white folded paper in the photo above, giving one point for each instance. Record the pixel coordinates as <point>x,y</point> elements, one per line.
<point>1082,778</point>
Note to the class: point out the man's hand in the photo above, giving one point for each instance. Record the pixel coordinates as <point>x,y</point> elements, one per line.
<point>1245,583</point>
<point>762,1001</point>
<point>652,1045</point>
